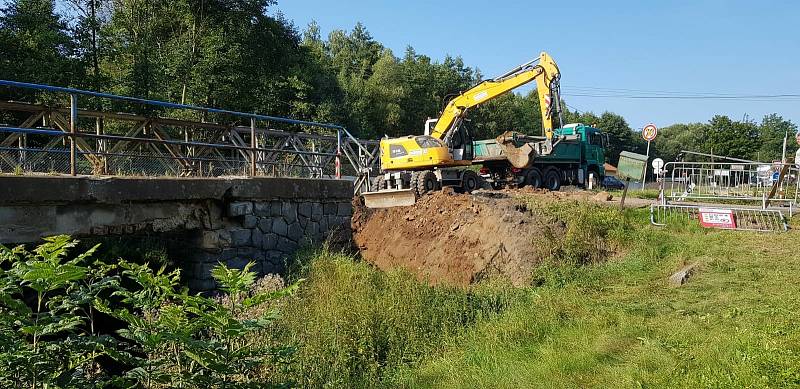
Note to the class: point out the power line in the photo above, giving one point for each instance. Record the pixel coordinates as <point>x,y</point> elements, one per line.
<point>593,89</point>
<point>647,91</point>
<point>786,97</point>
<point>626,93</point>
<point>578,111</point>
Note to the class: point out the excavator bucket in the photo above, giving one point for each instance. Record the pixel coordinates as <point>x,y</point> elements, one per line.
<point>389,198</point>
<point>520,154</point>
<point>520,157</point>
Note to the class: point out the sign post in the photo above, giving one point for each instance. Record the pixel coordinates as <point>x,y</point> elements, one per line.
<point>649,133</point>
<point>658,171</point>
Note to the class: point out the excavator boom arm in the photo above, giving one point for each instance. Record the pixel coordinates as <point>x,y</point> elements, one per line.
<point>544,70</point>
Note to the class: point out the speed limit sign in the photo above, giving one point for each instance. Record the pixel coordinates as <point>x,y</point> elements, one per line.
<point>649,132</point>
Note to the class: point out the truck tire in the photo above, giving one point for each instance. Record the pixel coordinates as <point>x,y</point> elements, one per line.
<point>423,182</point>
<point>552,180</point>
<point>379,183</point>
<point>470,181</point>
<point>533,178</point>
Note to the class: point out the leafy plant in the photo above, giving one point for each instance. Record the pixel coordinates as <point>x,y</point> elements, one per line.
<point>49,306</point>
<point>194,341</point>
<point>47,331</point>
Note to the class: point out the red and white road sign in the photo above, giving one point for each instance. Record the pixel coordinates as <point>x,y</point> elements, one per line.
<point>717,218</point>
<point>649,132</point>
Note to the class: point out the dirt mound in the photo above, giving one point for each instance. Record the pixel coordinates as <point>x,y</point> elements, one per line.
<point>455,238</point>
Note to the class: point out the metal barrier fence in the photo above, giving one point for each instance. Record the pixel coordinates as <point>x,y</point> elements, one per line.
<point>755,194</point>
<point>60,140</point>
<point>760,183</point>
<point>747,219</point>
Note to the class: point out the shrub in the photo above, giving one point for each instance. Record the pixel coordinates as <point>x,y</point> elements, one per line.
<point>49,305</point>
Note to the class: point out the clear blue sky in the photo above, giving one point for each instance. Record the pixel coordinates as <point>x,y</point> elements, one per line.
<point>690,47</point>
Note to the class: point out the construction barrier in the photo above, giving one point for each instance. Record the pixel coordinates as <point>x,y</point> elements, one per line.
<point>746,219</point>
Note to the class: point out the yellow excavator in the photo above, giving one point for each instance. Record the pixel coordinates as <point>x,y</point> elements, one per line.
<point>414,165</point>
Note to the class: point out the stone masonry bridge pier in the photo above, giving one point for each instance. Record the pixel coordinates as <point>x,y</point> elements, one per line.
<point>228,220</point>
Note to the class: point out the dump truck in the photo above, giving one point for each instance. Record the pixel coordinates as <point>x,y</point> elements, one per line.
<point>577,157</point>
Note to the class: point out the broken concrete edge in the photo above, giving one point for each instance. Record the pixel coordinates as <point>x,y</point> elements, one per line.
<point>115,190</point>
<point>682,276</point>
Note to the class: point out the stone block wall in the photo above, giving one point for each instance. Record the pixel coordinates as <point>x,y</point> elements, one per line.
<point>219,220</point>
<point>267,233</point>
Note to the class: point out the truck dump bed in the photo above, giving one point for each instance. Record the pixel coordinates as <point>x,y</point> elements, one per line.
<point>488,150</point>
<point>564,151</point>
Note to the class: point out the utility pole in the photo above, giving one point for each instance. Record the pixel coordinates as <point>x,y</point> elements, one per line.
<point>785,138</point>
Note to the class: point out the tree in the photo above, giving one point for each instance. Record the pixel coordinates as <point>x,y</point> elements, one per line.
<point>504,113</point>
<point>731,138</point>
<point>242,55</point>
<point>772,130</point>
<point>35,45</point>
<point>321,99</point>
<point>227,53</point>
<point>673,139</point>
<point>85,29</point>
<point>138,34</point>
<point>385,91</point>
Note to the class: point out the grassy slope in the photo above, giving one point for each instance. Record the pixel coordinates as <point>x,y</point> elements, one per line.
<point>618,324</point>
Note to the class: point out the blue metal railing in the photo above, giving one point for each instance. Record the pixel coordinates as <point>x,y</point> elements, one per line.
<point>41,131</point>
<point>164,104</point>
<point>73,133</point>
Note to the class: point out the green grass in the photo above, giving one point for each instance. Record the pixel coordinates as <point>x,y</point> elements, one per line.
<point>647,194</point>
<point>618,324</point>
<point>584,322</point>
<point>353,325</point>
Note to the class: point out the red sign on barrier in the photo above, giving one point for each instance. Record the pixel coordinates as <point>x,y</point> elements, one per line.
<point>717,218</point>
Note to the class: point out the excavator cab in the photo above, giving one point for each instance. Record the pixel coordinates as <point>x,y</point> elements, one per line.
<point>410,152</point>
<point>461,144</point>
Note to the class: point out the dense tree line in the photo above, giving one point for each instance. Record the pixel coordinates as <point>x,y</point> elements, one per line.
<point>243,55</point>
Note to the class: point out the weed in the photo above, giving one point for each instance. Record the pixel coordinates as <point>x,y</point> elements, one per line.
<point>169,338</point>
<point>592,232</point>
<point>354,325</point>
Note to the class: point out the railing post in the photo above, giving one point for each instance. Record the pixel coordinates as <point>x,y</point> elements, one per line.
<point>338,153</point>
<point>101,145</point>
<point>252,147</point>
<point>73,130</point>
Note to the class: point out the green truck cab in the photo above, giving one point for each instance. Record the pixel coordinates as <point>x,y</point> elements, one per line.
<point>578,156</point>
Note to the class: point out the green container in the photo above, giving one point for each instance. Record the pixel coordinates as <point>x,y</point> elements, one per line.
<point>487,149</point>
<point>631,165</point>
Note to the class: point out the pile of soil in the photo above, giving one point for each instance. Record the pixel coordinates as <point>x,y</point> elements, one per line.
<point>456,238</point>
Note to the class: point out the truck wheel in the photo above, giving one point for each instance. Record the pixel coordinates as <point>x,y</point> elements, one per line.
<point>379,183</point>
<point>552,180</point>
<point>533,178</point>
<point>423,182</point>
<point>470,181</point>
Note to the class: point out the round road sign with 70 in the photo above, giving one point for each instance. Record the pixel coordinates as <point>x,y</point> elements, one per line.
<point>649,132</point>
